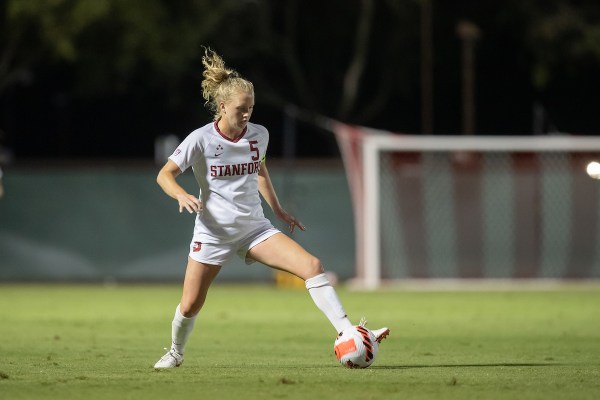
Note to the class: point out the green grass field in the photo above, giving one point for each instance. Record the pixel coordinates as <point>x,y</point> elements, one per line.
<point>259,342</point>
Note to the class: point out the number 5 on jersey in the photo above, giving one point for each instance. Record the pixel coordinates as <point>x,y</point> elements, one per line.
<point>254,149</point>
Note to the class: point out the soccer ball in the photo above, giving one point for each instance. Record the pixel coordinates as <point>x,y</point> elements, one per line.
<point>356,347</point>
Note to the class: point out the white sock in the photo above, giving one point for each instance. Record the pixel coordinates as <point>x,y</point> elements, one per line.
<point>325,297</point>
<point>180,330</point>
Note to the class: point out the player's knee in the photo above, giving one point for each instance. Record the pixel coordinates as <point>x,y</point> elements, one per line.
<point>189,310</point>
<point>314,267</point>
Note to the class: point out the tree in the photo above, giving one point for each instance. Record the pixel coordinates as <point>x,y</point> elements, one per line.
<point>563,36</point>
<point>111,40</point>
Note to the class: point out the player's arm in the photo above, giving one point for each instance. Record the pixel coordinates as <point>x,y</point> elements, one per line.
<point>265,187</point>
<point>167,181</point>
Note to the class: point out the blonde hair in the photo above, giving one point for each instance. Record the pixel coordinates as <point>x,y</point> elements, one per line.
<point>220,83</point>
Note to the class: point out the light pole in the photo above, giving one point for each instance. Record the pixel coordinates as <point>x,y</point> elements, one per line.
<point>469,33</point>
<point>426,67</point>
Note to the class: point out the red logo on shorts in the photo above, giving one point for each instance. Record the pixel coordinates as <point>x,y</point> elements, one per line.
<point>197,246</point>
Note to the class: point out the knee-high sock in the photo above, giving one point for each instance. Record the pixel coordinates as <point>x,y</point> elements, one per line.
<point>181,328</point>
<point>325,297</point>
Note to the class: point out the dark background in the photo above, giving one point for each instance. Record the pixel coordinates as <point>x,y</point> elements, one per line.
<point>102,79</point>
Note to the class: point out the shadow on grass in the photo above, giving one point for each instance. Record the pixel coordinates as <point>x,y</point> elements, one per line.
<point>495,365</point>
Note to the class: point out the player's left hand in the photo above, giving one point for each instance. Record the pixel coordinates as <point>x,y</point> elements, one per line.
<point>290,220</point>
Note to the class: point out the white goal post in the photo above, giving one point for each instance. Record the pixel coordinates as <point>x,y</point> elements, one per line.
<point>367,186</point>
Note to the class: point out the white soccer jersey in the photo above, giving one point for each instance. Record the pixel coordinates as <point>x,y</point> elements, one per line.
<point>227,173</point>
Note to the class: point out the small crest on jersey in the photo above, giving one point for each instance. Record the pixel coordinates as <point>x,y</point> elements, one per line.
<point>177,152</point>
<point>197,247</point>
<point>218,151</point>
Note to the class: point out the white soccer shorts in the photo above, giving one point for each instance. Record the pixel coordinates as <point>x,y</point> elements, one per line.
<point>221,254</point>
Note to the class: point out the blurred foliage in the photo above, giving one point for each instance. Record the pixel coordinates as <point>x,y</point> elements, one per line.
<point>356,60</point>
<point>108,43</point>
<point>563,34</point>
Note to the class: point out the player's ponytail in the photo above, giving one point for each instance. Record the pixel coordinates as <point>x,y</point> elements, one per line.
<point>220,82</point>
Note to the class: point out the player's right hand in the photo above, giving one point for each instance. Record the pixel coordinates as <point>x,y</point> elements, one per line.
<point>191,203</point>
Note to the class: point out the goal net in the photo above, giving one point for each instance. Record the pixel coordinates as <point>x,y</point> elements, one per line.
<point>472,207</point>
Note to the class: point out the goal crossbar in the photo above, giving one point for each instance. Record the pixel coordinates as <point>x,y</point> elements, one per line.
<point>481,143</point>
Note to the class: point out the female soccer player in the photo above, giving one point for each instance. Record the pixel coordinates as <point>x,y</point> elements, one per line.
<point>227,157</point>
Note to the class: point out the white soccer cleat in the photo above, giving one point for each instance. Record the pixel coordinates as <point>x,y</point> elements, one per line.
<point>170,360</point>
<point>381,334</point>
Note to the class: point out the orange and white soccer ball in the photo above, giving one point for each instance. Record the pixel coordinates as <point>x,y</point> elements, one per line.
<point>356,347</point>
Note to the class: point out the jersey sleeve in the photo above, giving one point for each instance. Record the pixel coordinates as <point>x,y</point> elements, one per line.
<point>265,141</point>
<point>188,151</point>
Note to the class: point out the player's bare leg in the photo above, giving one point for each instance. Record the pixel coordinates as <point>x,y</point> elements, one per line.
<point>281,252</point>
<point>198,278</point>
